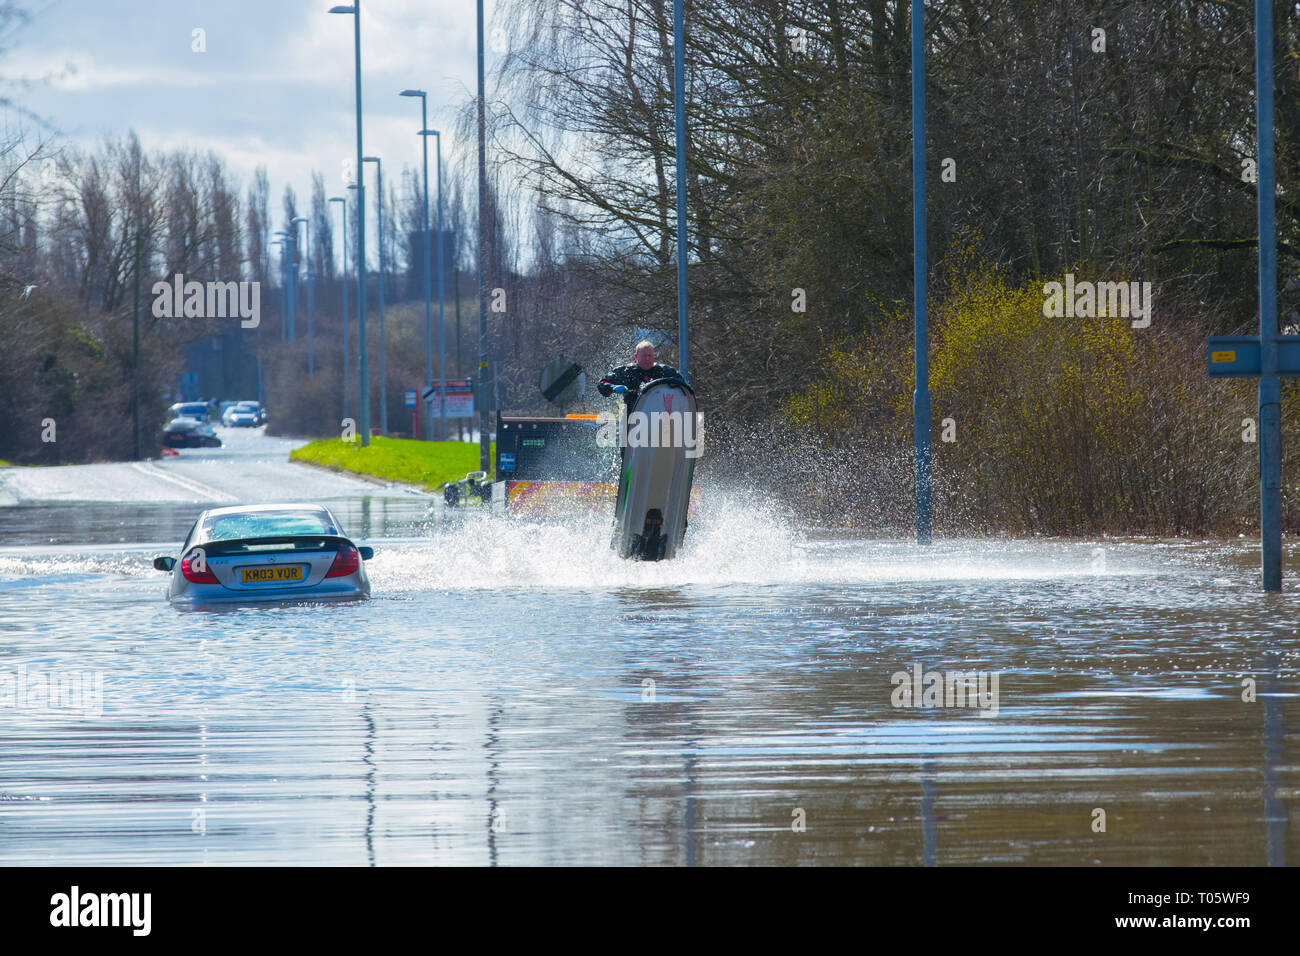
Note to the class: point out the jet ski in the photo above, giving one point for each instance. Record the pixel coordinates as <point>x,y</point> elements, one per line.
<point>661,440</point>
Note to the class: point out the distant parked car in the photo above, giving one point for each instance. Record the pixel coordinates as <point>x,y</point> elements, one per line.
<point>241,415</point>
<point>221,409</point>
<point>188,433</point>
<point>197,411</point>
<point>260,409</point>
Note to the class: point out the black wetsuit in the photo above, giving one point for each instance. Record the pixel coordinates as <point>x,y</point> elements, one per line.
<point>632,376</point>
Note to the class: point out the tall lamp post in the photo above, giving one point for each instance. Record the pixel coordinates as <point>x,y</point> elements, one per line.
<point>428,312</point>
<point>364,382</point>
<point>679,121</point>
<point>290,277</point>
<point>383,346</point>
<point>340,199</point>
<point>1270,388</point>
<point>485,428</point>
<point>284,302</point>
<point>310,279</point>
<point>442,347</point>
<point>920,280</point>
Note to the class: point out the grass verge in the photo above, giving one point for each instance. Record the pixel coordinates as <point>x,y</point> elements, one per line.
<point>427,464</point>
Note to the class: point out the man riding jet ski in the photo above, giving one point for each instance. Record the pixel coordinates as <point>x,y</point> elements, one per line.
<point>626,380</point>
<point>657,461</point>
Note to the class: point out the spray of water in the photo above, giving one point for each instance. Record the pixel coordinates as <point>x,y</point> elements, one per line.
<point>739,536</point>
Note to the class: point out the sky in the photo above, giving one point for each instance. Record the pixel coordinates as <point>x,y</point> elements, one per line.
<point>274,87</point>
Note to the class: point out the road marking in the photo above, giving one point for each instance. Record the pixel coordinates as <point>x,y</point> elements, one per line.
<point>198,488</point>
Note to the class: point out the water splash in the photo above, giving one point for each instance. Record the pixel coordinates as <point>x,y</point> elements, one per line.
<point>739,537</point>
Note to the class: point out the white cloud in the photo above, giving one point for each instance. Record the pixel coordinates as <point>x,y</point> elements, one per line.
<point>274,88</point>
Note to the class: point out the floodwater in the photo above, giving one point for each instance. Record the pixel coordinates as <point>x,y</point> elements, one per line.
<point>513,694</point>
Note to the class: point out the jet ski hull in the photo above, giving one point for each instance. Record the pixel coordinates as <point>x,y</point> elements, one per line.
<point>658,466</point>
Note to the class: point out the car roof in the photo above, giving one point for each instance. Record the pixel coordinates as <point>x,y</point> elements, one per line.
<point>249,509</point>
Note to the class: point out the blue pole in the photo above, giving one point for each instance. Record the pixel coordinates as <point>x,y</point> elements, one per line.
<point>442,344</point>
<point>485,426</point>
<point>424,232</point>
<point>284,308</point>
<point>363,365</point>
<point>679,102</point>
<point>383,346</point>
<point>363,399</point>
<point>428,313</point>
<point>311,358</point>
<point>347,374</point>
<point>293,282</point>
<point>284,302</point>
<point>284,284</point>
<point>1270,391</point>
<point>307,278</point>
<point>344,277</point>
<point>383,343</point>
<point>920,397</point>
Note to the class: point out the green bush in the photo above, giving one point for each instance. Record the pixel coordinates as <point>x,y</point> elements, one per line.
<point>1055,425</point>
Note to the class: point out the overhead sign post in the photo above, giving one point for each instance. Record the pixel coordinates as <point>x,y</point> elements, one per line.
<point>1270,389</point>
<point>679,116</point>
<point>1267,355</point>
<point>920,277</point>
<point>1240,356</point>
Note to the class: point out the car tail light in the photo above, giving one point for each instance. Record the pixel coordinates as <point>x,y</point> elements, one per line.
<point>346,561</point>
<point>195,576</point>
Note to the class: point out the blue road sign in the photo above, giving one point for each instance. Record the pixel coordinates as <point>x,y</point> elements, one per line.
<point>410,398</point>
<point>1239,356</point>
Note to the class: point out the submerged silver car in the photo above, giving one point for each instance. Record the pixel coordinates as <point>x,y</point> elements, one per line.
<point>266,552</point>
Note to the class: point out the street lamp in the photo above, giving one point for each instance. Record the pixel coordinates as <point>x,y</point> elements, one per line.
<point>311,363</point>
<point>283,307</point>
<point>340,199</point>
<point>364,398</point>
<point>428,313</point>
<point>290,280</point>
<point>383,346</point>
<point>442,348</point>
<point>484,434</point>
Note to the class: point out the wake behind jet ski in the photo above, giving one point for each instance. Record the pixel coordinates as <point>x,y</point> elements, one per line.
<point>660,439</point>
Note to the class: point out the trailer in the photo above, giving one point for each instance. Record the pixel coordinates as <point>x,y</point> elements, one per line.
<point>553,467</point>
<point>556,468</point>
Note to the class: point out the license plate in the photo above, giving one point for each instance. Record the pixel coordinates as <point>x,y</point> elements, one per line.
<point>263,575</point>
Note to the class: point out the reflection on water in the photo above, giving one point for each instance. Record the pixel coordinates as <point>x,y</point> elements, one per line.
<point>1275,811</point>
<point>514,694</point>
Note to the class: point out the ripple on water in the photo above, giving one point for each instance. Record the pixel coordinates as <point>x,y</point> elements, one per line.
<point>512,693</point>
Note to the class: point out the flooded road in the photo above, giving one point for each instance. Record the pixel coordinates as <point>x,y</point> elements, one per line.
<point>513,694</point>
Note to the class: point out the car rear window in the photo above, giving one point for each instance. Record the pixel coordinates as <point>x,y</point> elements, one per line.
<point>266,524</point>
